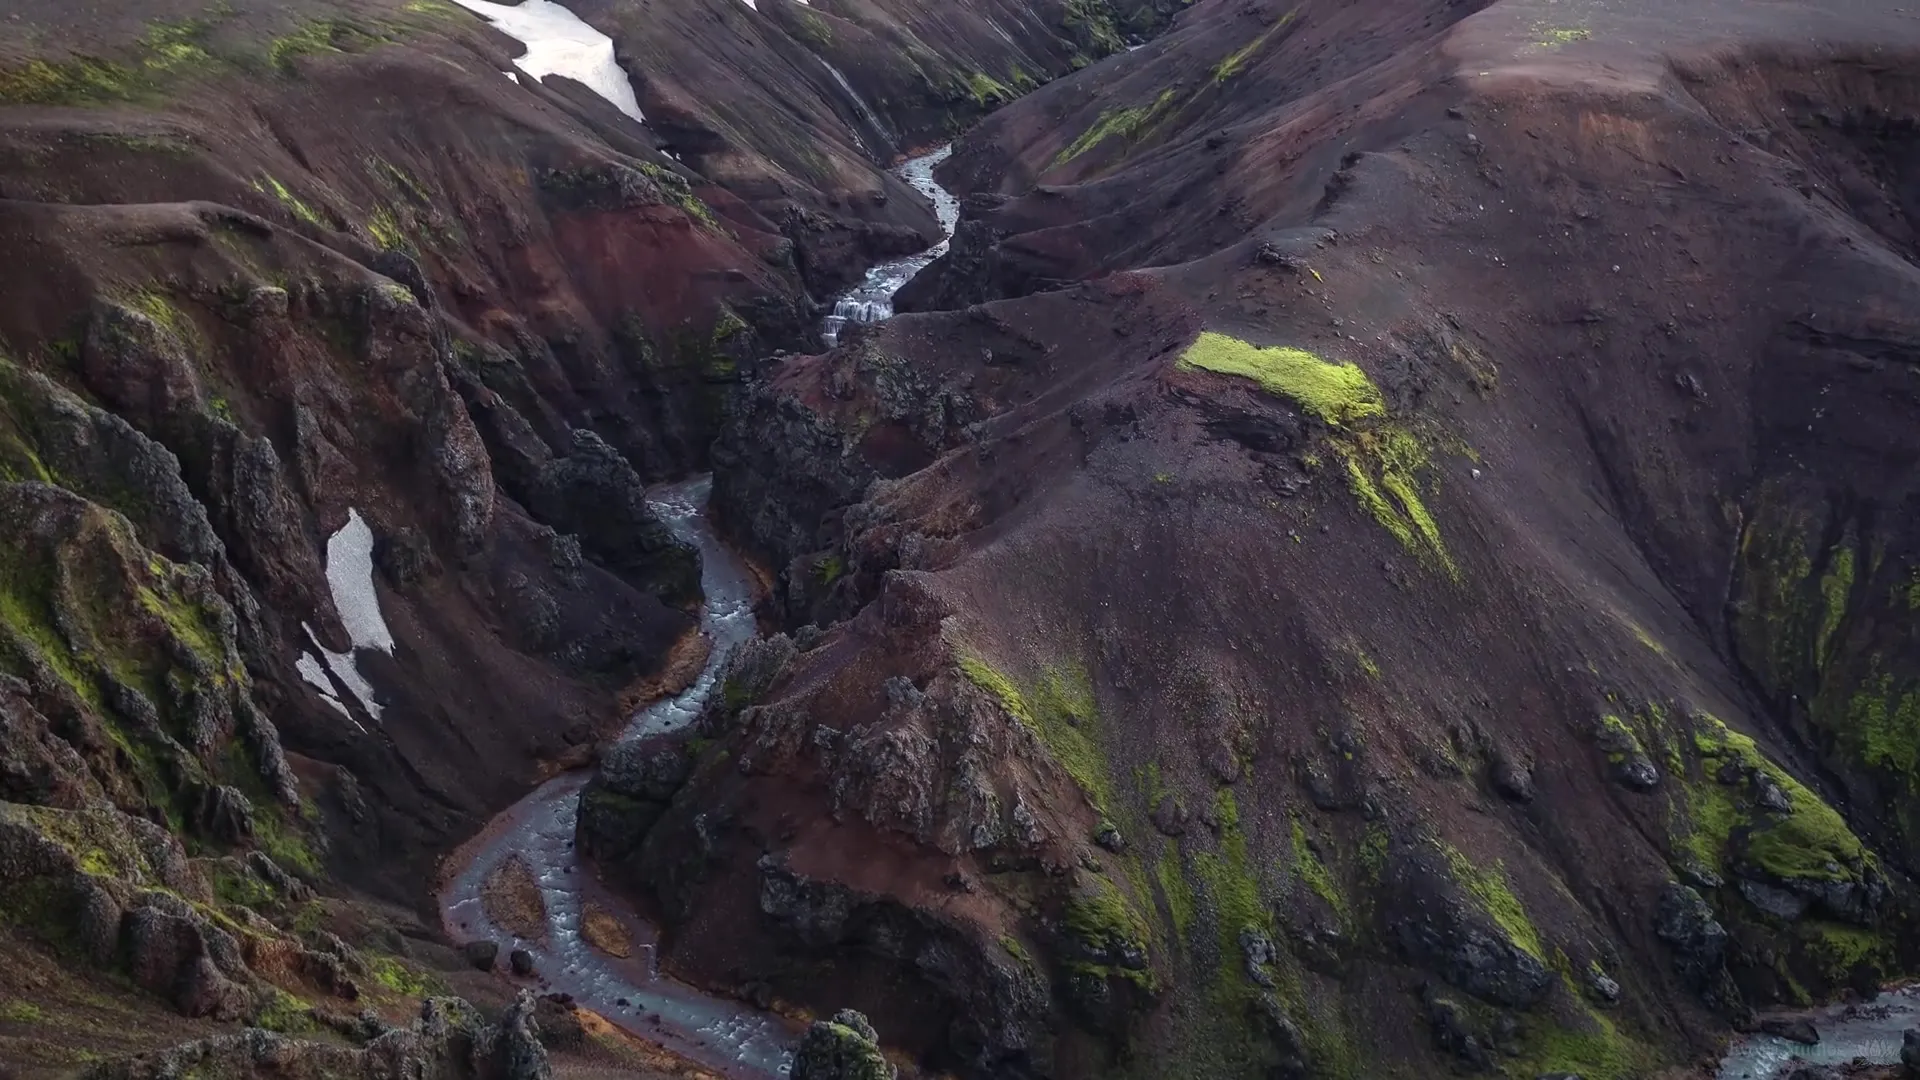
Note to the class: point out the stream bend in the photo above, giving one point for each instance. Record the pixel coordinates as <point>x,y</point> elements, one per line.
<point>716,1032</point>
<point>719,1033</point>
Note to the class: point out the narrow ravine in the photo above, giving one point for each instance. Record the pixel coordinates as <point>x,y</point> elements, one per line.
<point>1873,1030</point>
<point>717,1032</point>
<point>872,300</point>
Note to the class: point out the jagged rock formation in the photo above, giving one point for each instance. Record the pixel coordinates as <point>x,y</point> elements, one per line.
<point>450,1041</point>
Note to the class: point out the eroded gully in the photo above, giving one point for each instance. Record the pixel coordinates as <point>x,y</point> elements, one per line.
<point>719,1033</point>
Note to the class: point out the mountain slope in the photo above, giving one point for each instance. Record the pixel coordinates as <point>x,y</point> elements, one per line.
<point>335,355</point>
<point>1409,569</point>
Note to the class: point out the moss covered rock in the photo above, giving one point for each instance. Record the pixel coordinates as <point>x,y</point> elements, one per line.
<point>843,1048</point>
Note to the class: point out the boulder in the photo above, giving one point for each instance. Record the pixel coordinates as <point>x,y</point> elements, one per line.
<point>1683,920</point>
<point>1793,1029</point>
<point>843,1048</point>
<point>481,954</point>
<point>520,962</point>
<point>1910,1052</point>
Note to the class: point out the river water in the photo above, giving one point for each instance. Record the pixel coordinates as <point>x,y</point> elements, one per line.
<point>720,1033</point>
<point>1872,1031</point>
<point>872,300</point>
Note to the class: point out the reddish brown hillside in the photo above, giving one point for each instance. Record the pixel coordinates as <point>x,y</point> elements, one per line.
<point>1405,628</point>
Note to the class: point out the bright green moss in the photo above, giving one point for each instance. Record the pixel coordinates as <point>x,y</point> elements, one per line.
<point>322,36</point>
<point>1841,950</point>
<point>1060,712</point>
<point>176,45</point>
<point>1812,843</point>
<point>675,189</point>
<point>1588,1045</point>
<point>1383,468</point>
<point>242,890</point>
<point>828,568</point>
<point>1556,36</point>
<point>77,82</point>
<point>16,1011</point>
<point>1883,726</point>
<point>1176,891</point>
<point>268,185</point>
<point>1127,124</point>
<point>282,1012</point>
<point>1016,950</point>
<point>1234,61</point>
<point>387,231</point>
<point>285,845</point>
<point>988,91</point>
<point>1310,871</point>
<point>1099,916</point>
<point>1338,393</point>
<point>1836,585</point>
<point>397,977</point>
<point>814,30</point>
<point>1623,742</point>
<point>1093,20</point>
<point>1489,886</point>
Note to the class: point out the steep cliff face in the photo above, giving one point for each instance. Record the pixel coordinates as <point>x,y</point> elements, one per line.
<point>335,353</point>
<point>1452,611</point>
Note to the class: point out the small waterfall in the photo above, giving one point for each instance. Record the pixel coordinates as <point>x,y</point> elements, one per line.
<point>872,300</point>
<point>860,107</point>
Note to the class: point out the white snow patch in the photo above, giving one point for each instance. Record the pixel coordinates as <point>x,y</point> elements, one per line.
<point>559,43</point>
<point>350,577</point>
<point>316,676</point>
<point>514,75</point>
<point>754,4</point>
<point>344,669</point>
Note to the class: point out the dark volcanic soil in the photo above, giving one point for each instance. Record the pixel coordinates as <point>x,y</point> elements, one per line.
<point>1518,675</point>
<point>1387,548</point>
<point>276,267</point>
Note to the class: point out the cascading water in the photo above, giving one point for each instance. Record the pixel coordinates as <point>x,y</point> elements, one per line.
<point>1873,1031</point>
<point>872,300</point>
<point>539,830</point>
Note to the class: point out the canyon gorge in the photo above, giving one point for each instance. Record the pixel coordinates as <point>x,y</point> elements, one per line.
<point>1017,539</point>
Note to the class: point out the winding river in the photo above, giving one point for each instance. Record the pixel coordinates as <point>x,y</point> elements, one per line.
<point>716,1032</point>
<point>719,1033</point>
<point>872,300</point>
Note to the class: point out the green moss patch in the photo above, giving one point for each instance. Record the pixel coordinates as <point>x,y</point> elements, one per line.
<point>1314,874</point>
<point>1813,843</point>
<point>397,977</point>
<point>1337,393</point>
<point>268,185</point>
<point>1882,725</point>
<point>1488,885</point>
<point>1060,711</point>
<point>1384,467</point>
<point>324,36</point>
<point>1125,124</point>
<point>1103,923</point>
<point>1234,61</point>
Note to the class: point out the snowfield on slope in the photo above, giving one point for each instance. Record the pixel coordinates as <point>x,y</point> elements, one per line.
<point>559,43</point>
